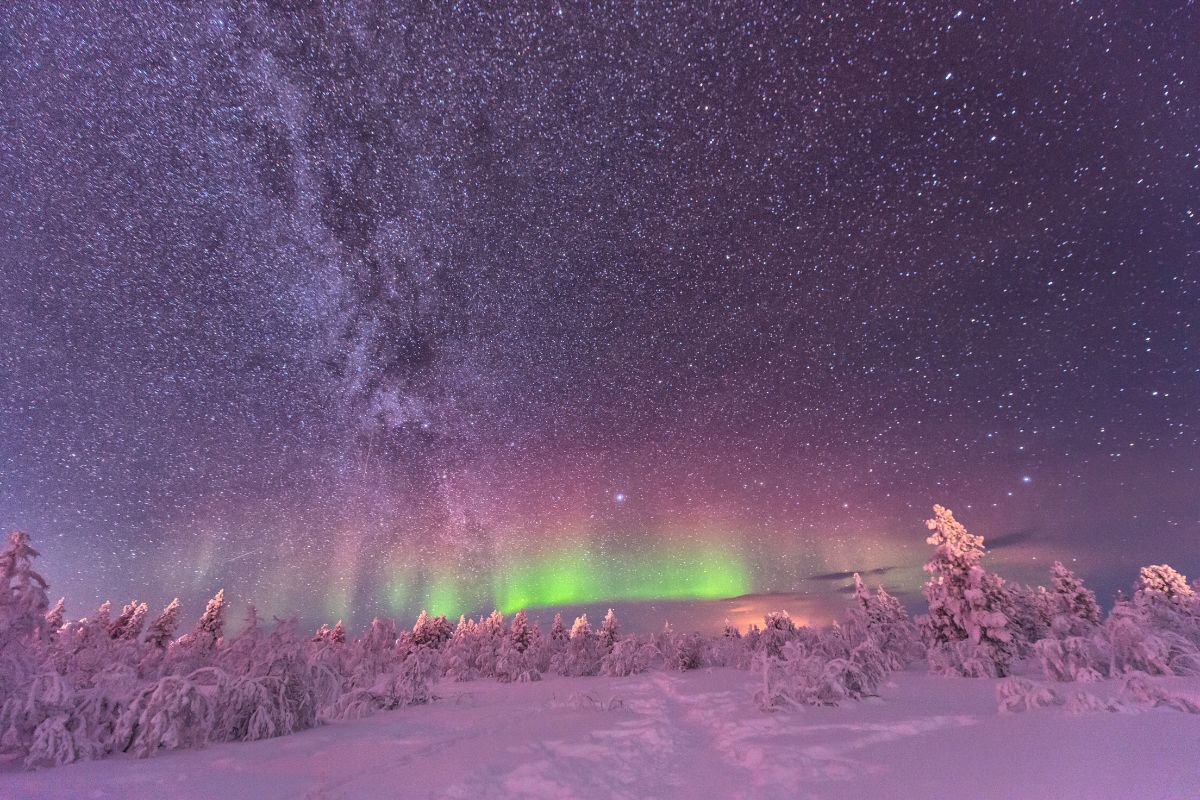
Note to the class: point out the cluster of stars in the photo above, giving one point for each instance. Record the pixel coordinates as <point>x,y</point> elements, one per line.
<point>399,290</point>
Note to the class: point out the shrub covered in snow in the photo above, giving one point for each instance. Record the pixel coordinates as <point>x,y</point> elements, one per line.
<point>629,656</point>
<point>802,678</point>
<point>1021,694</point>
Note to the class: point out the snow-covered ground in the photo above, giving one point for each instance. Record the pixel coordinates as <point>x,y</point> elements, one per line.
<point>676,735</point>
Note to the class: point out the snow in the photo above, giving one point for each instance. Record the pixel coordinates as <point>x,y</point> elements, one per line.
<point>677,735</point>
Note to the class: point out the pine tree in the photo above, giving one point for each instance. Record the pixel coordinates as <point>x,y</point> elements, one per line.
<point>1161,583</point>
<point>967,625</point>
<point>54,617</point>
<point>1071,599</point>
<point>581,655</point>
<point>517,656</point>
<point>431,632</point>
<point>128,625</point>
<point>211,626</point>
<point>23,605</point>
<point>608,632</point>
<point>520,633</point>
<point>162,630</point>
<point>778,629</point>
<point>558,631</point>
<point>458,656</point>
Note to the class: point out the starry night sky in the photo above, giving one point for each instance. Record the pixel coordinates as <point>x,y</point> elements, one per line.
<point>355,309</point>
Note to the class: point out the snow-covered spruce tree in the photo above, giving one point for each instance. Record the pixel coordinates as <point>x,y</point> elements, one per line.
<point>516,659</point>
<point>1160,583</point>
<point>881,619</point>
<point>966,630</point>
<point>520,632</point>
<point>128,625</point>
<point>555,642</point>
<point>1166,614</point>
<point>54,617</point>
<point>1074,605</point>
<point>558,631</point>
<point>778,630</point>
<point>582,653</point>
<point>162,630</point>
<point>212,621</point>
<point>431,632</point>
<point>608,632</point>
<point>488,632</point>
<point>458,656</point>
<point>243,651</point>
<point>23,605</point>
<point>1031,618</point>
<point>197,648</point>
<point>541,650</point>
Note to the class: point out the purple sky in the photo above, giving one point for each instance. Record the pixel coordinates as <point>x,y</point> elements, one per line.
<point>347,309</point>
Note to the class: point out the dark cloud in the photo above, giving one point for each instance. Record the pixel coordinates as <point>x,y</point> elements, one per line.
<point>842,576</point>
<point>1006,540</point>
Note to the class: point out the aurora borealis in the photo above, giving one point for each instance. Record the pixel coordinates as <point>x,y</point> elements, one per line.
<point>357,308</point>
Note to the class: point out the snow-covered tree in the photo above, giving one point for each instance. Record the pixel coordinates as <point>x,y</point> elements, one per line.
<point>517,653</point>
<point>1160,583</point>
<point>431,632</point>
<point>608,632</point>
<point>967,628</point>
<point>558,631</point>
<point>212,621</point>
<point>128,625</point>
<point>582,653</point>
<point>489,633</point>
<point>23,605</point>
<point>629,656</point>
<point>458,656</point>
<point>211,626</point>
<point>881,618</point>
<point>162,630</point>
<point>1031,617</point>
<point>520,632</point>
<point>778,630</point>
<point>1074,605</point>
<point>54,617</point>
<point>801,677</point>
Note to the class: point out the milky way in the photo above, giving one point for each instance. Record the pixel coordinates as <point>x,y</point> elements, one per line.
<point>361,307</point>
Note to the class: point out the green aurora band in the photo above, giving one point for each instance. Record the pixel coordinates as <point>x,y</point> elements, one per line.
<point>577,575</point>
